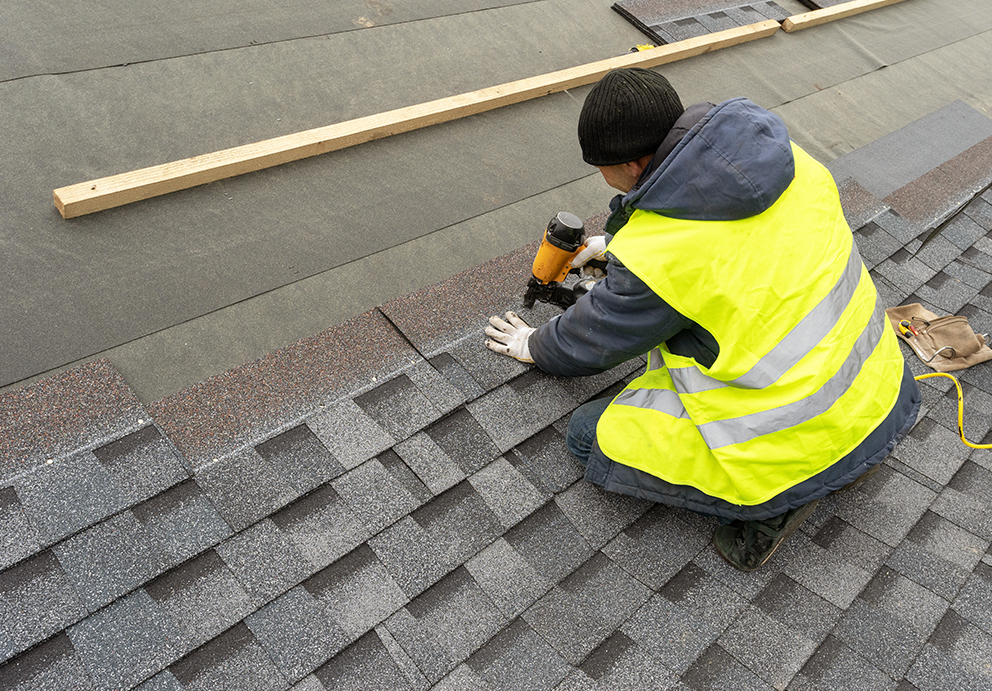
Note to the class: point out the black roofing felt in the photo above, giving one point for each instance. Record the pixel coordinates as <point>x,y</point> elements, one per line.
<point>400,511</point>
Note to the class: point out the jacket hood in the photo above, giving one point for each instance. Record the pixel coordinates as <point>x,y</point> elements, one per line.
<point>734,163</point>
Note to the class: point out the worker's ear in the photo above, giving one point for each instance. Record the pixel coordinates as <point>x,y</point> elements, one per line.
<point>637,167</point>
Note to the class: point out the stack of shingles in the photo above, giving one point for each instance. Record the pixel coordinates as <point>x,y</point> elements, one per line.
<point>664,21</point>
<point>388,505</point>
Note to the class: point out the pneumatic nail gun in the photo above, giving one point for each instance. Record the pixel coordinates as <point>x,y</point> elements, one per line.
<point>563,239</point>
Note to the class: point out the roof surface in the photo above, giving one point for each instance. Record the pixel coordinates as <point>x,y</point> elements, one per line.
<point>385,504</point>
<point>388,505</point>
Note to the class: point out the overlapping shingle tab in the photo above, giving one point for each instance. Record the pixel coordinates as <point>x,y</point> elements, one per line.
<point>388,505</point>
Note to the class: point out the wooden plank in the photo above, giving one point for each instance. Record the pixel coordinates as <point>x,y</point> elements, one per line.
<point>117,190</point>
<point>829,14</point>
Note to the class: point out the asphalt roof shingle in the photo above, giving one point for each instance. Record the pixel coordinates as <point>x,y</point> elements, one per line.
<point>411,518</point>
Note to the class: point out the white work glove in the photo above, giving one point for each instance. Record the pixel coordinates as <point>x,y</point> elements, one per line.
<point>595,249</point>
<point>509,337</point>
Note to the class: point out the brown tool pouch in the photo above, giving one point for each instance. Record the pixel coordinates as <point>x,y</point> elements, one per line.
<point>944,343</point>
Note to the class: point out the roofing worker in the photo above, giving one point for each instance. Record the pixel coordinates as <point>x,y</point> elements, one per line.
<point>773,378</point>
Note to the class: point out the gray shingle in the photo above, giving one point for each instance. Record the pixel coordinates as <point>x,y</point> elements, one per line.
<point>905,272</point>
<point>244,487</point>
<point>545,460</point>
<point>835,666</point>
<point>349,434</point>
<point>142,463</point>
<point>322,526</point>
<point>980,211</point>
<point>51,666</point>
<point>517,659</point>
<point>264,543</point>
<point>399,407</point>
<point>549,543</point>
<point>886,506</point>
<point>773,651</point>
<point>68,495</point>
<point>850,544</point>
<point>963,230</point>
<point>682,29</point>
<point>619,664</point>
<point>506,492</point>
<point>716,21</point>
<point>126,642</point>
<point>110,559</point>
<point>183,521</point>
<point>461,678</point>
<point>356,591</point>
<point>446,623</point>
<point>656,547</point>
<point>406,664</point>
<point>936,670</point>
<point>233,660</point>
<point>822,571</point>
<point>964,642</point>
<point>458,522</point>
<point>465,442</point>
<point>365,664</point>
<point>967,499</point>
<point>949,294</point>
<point>443,394</point>
<point>974,600</point>
<point>938,252</point>
<point>404,475</point>
<point>901,229</point>
<point>412,556</point>
<point>297,633</point>
<point>299,457</point>
<point>972,269</point>
<point>434,468</point>
<point>674,634</point>
<point>375,495</point>
<point>36,601</point>
<point>524,406</point>
<point>599,515</point>
<point>202,597</point>
<point>163,681</point>
<point>483,365</point>
<point>875,245</point>
<point>509,580</point>
<point>716,670</point>
<point>586,607</point>
<point>938,555</point>
<point>457,376</point>
<point>18,539</point>
<point>890,621</point>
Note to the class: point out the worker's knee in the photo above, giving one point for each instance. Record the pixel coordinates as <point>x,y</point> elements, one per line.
<point>582,428</point>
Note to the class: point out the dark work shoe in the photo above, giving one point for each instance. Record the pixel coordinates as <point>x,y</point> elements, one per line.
<point>746,545</point>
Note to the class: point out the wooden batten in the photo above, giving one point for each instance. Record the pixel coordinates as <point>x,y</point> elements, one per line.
<point>829,14</point>
<point>118,190</point>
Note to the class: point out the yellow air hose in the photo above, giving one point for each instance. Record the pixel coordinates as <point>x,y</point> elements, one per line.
<point>960,407</point>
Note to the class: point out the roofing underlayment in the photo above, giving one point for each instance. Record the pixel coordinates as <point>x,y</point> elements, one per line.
<point>385,504</point>
<point>389,505</point>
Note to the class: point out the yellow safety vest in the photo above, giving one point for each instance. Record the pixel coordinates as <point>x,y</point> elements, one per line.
<point>807,367</point>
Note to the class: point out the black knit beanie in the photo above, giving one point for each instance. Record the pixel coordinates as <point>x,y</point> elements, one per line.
<point>626,116</point>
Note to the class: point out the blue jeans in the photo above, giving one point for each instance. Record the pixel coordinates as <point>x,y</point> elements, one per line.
<point>582,428</point>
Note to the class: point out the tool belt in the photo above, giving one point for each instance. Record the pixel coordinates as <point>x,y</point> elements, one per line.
<point>946,344</point>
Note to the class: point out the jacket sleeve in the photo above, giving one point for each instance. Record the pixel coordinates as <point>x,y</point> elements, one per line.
<point>619,319</point>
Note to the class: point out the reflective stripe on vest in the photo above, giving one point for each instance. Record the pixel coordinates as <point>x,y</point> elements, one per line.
<point>791,349</point>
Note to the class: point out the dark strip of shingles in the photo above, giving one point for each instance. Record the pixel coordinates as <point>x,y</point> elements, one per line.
<point>299,456</point>
<point>143,464</point>
<point>37,602</point>
<point>943,189</point>
<point>60,414</point>
<point>18,538</point>
<point>439,315</point>
<point>252,402</point>
<point>54,661</point>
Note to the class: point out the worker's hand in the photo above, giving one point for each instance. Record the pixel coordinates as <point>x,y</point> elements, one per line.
<point>509,337</point>
<point>595,250</point>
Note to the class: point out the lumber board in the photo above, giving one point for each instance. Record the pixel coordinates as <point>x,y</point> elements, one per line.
<point>829,14</point>
<point>117,190</point>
